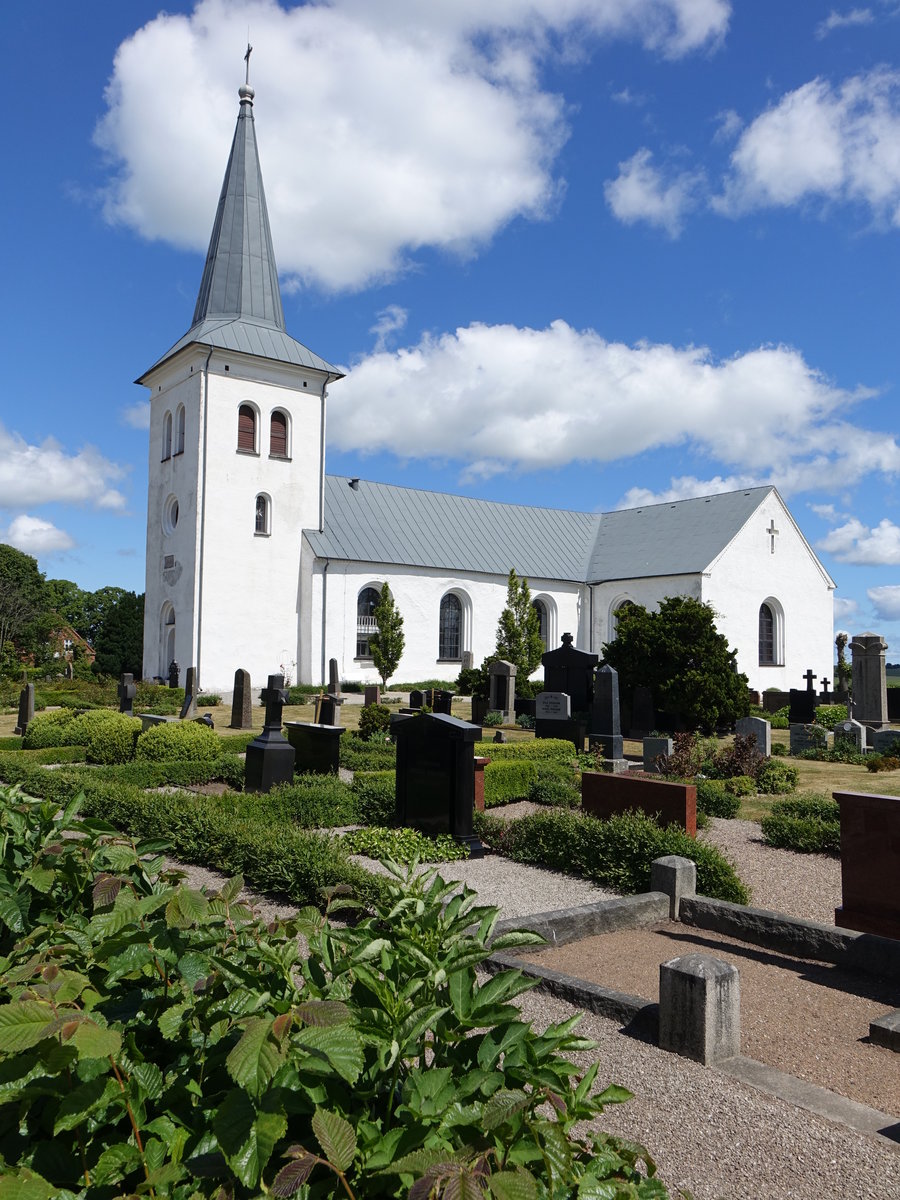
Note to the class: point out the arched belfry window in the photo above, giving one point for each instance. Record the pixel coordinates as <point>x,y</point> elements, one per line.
<point>366,625</point>
<point>246,440</point>
<point>278,435</point>
<point>450,628</point>
<point>263,519</point>
<point>167,437</point>
<point>179,430</point>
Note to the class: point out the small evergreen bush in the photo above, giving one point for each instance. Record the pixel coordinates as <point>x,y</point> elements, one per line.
<point>406,846</point>
<point>178,740</point>
<point>310,802</point>
<point>830,715</point>
<point>356,754</point>
<point>779,749</point>
<point>209,700</point>
<point>740,785</point>
<point>555,791</point>
<point>111,740</point>
<point>881,762</point>
<point>375,794</point>
<point>713,800</point>
<point>492,719</point>
<point>525,721</point>
<point>49,729</point>
<point>777,778</point>
<point>374,722</point>
<point>549,749</point>
<point>808,824</point>
<point>780,719</point>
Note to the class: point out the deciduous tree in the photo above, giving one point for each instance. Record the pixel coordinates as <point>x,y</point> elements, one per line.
<point>519,629</point>
<point>386,644</point>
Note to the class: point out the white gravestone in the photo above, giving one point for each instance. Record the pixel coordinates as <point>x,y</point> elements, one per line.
<point>552,706</point>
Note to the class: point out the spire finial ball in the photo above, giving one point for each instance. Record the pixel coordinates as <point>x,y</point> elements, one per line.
<point>246,93</point>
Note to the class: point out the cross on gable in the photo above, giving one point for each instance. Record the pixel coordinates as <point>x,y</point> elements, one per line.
<point>772,532</point>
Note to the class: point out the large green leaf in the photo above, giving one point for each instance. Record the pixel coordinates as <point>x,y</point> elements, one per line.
<point>256,1057</point>
<point>24,1023</point>
<point>513,1185</point>
<point>295,1173</point>
<point>336,1137</point>
<point>115,1162</point>
<point>504,1103</point>
<point>94,1096</point>
<point>340,1045</point>
<point>246,1137</point>
<point>26,1185</point>
<point>93,1041</point>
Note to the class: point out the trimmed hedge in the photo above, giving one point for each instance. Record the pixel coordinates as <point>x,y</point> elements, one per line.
<point>359,755</point>
<point>10,743</point>
<point>49,729</point>
<point>713,800</point>
<point>808,824</point>
<point>376,802</point>
<point>108,737</point>
<point>616,853</point>
<point>181,740</point>
<point>548,749</point>
<point>510,780</point>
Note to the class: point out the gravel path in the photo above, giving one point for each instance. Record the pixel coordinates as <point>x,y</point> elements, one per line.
<point>708,1132</point>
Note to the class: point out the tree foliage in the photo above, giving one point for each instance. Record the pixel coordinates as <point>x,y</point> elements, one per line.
<point>120,637</point>
<point>22,597</point>
<point>679,654</point>
<point>519,628</point>
<point>386,644</point>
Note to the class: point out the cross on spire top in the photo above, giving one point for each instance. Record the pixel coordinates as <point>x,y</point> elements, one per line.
<point>247,61</point>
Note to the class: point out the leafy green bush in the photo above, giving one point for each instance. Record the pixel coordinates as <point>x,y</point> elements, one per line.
<point>616,853</point>
<point>492,719</point>
<point>236,743</point>
<point>10,743</point>
<point>54,754</point>
<point>713,800</point>
<point>779,749</point>
<point>777,778</point>
<point>49,729</point>
<point>374,722</point>
<point>512,779</point>
<point>375,794</point>
<point>184,1048</point>
<point>183,740</point>
<point>740,785</point>
<point>356,754</point>
<point>552,749</point>
<point>780,718</point>
<point>882,762</point>
<point>556,791</point>
<point>405,845</point>
<point>111,740</point>
<point>311,801</point>
<point>525,721</point>
<point>808,824</point>
<point>209,700</point>
<point>830,715</point>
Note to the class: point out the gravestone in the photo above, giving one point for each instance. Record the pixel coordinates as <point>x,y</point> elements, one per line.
<point>655,748</point>
<point>26,709</point>
<point>643,716</point>
<point>869,679</point>
<point>270,759</point>
<point>571,671</point>
<point>757,728</point>
<point>606,725</point>
<point>808,737</point>
<point>371,695</point>
<point>886,741</point>
<point>191,691</point>
<point>700,1008</point>
<point>317,748</point>
<point>851,731</point>
<point>870,863</point>
<point>553,719</point>
<point>552,706</point>
<point>435,779</point>
<point>416,698</point>
<point>328,710</point>
<point>468,660</point>
<point>126,692</point>
<point>241,701</point>
<point>174,675</point>
<point>803,704</point>
<point>502,689</point>
<point>334,679</point>
<point>442,701</point>
<point>825,696</point>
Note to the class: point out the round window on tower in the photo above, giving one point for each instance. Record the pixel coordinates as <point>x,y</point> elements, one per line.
<point>170,515</point>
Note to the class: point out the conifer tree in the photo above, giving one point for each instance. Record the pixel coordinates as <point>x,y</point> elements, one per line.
<point>519,629</point>
<point>386,644</point>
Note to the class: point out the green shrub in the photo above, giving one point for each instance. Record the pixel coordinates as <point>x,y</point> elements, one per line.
<point>10,743</point>
<point>375,794</point>
<point>49,729</point>
<point>740,785</point>
<point>779,749</point>
<point>508,780</point>
<point>404,845</point>
<point>882,762</point>
<point>713,800</point>
<point>830,715</point>
<point>492,719</point>
<point>550,749</point>
<point>616,853</point>
<point>777,778</point>
<point>209,700</point>
<point>556,791</point>
<point>525,721</point>
<point>780,719</point>
<point>808,824</point>
<point>236,743</point>
<point>311,802</point>
<point>185,740</point>
<point>54,754</point>
<point>356,754</point>
<point>112,741</point>
<point>374,722</point>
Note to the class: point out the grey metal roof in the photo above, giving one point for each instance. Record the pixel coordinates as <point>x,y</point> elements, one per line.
<point>679,538</point>
<point>381,523</point>
<point>239,303</point>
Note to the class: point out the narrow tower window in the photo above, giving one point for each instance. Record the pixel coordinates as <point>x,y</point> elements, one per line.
<point>263,515</point>
<point>247,428</point>
<point>766,636</point>
<point>278,441</point>
<point>179,430</point>
<point>167,437</point>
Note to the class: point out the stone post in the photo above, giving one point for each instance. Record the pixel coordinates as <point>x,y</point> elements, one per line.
<point>126,692</point>
<point>241,701</point>
<point>700,1008</point>
<point>677,877</point>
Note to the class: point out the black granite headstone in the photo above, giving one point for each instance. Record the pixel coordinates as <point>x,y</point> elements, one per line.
<point>416,698</point>
<point>26,709</point>
<point>569,670</point>
<point>442,700</point>
<point>174,674</point>
<point>606,725</point>
<point>803,704</point>
<point>436,776</point>
<point>191,691</point>
<point>126,691</point>
<point>270,758</point>
<point>317,748</point>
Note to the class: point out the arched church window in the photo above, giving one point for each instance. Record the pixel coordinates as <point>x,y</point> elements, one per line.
<point>263,515</point>
<point>278,435</point>
<point>618,612</point>
<point>450,628</point>
<point>767,647</point>
<point>541,609</point>
<point>179,430</point>
<point>366,625</point>
<point>167,437</point>
<point>247,428</point>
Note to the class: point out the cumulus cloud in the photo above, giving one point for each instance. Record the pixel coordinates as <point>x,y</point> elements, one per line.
<point>389,320</point>
<point>387,128</point>
<point>500,398</point>
<point>643,192</point>
<point>137,415</point>
<point>36,537</point>
<point>886,601</point>
<point>854,542</point>
<point>831,143</point>
<point>686,487</point>
<point>844,608</point>
<point>836,20</point>
<point>32,474</point>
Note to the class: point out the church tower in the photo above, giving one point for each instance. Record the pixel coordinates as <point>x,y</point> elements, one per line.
<point>237,455</point>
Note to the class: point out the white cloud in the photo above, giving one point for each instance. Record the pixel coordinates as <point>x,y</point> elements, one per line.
<point>40,474</point>
<point>886,600</point>
<point>686,488</point>
<point>822,142</point>
<point>137,415</point>
<point>729,125</point>
<point>498,398</point>
<point>642,192</point>
<point>844,608</point>
<point>384,128</point>
<point>389,320</point>
<point>836,20</point>
<point>36,537</point>
<point>854,542</point>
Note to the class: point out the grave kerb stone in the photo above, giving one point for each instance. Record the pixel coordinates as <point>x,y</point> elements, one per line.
<point>677,877</point>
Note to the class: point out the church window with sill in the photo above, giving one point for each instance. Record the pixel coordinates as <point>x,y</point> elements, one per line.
<point>771,634</point>
<point>167,437</point>
<point>450,629</point>
<point>366,625</point>
<point>179,430</point>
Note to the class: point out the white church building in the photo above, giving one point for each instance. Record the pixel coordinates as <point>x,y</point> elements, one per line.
<point>257,559</point>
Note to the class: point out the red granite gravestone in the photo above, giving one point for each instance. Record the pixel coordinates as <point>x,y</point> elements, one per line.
<point>870,863</point>
<point>605,795</point>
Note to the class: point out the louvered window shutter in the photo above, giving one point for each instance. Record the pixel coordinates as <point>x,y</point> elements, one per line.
<point>278,435</point>
<point>246,428</point>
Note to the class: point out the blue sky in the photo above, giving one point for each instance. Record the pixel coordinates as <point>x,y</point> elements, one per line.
<point>579,253</point>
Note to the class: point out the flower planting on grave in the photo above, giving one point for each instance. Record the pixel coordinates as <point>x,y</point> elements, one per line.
<point>157,1039</point>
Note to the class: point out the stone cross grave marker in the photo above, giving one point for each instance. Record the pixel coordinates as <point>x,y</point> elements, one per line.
<point>826,695</point>
<point>174,675</point>
<point>241,701</point>
<point>26,709</point>
<point>270,758</point>
<point>126,692</point>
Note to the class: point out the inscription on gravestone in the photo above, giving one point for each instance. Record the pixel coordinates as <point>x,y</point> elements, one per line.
<point>552,706</point>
